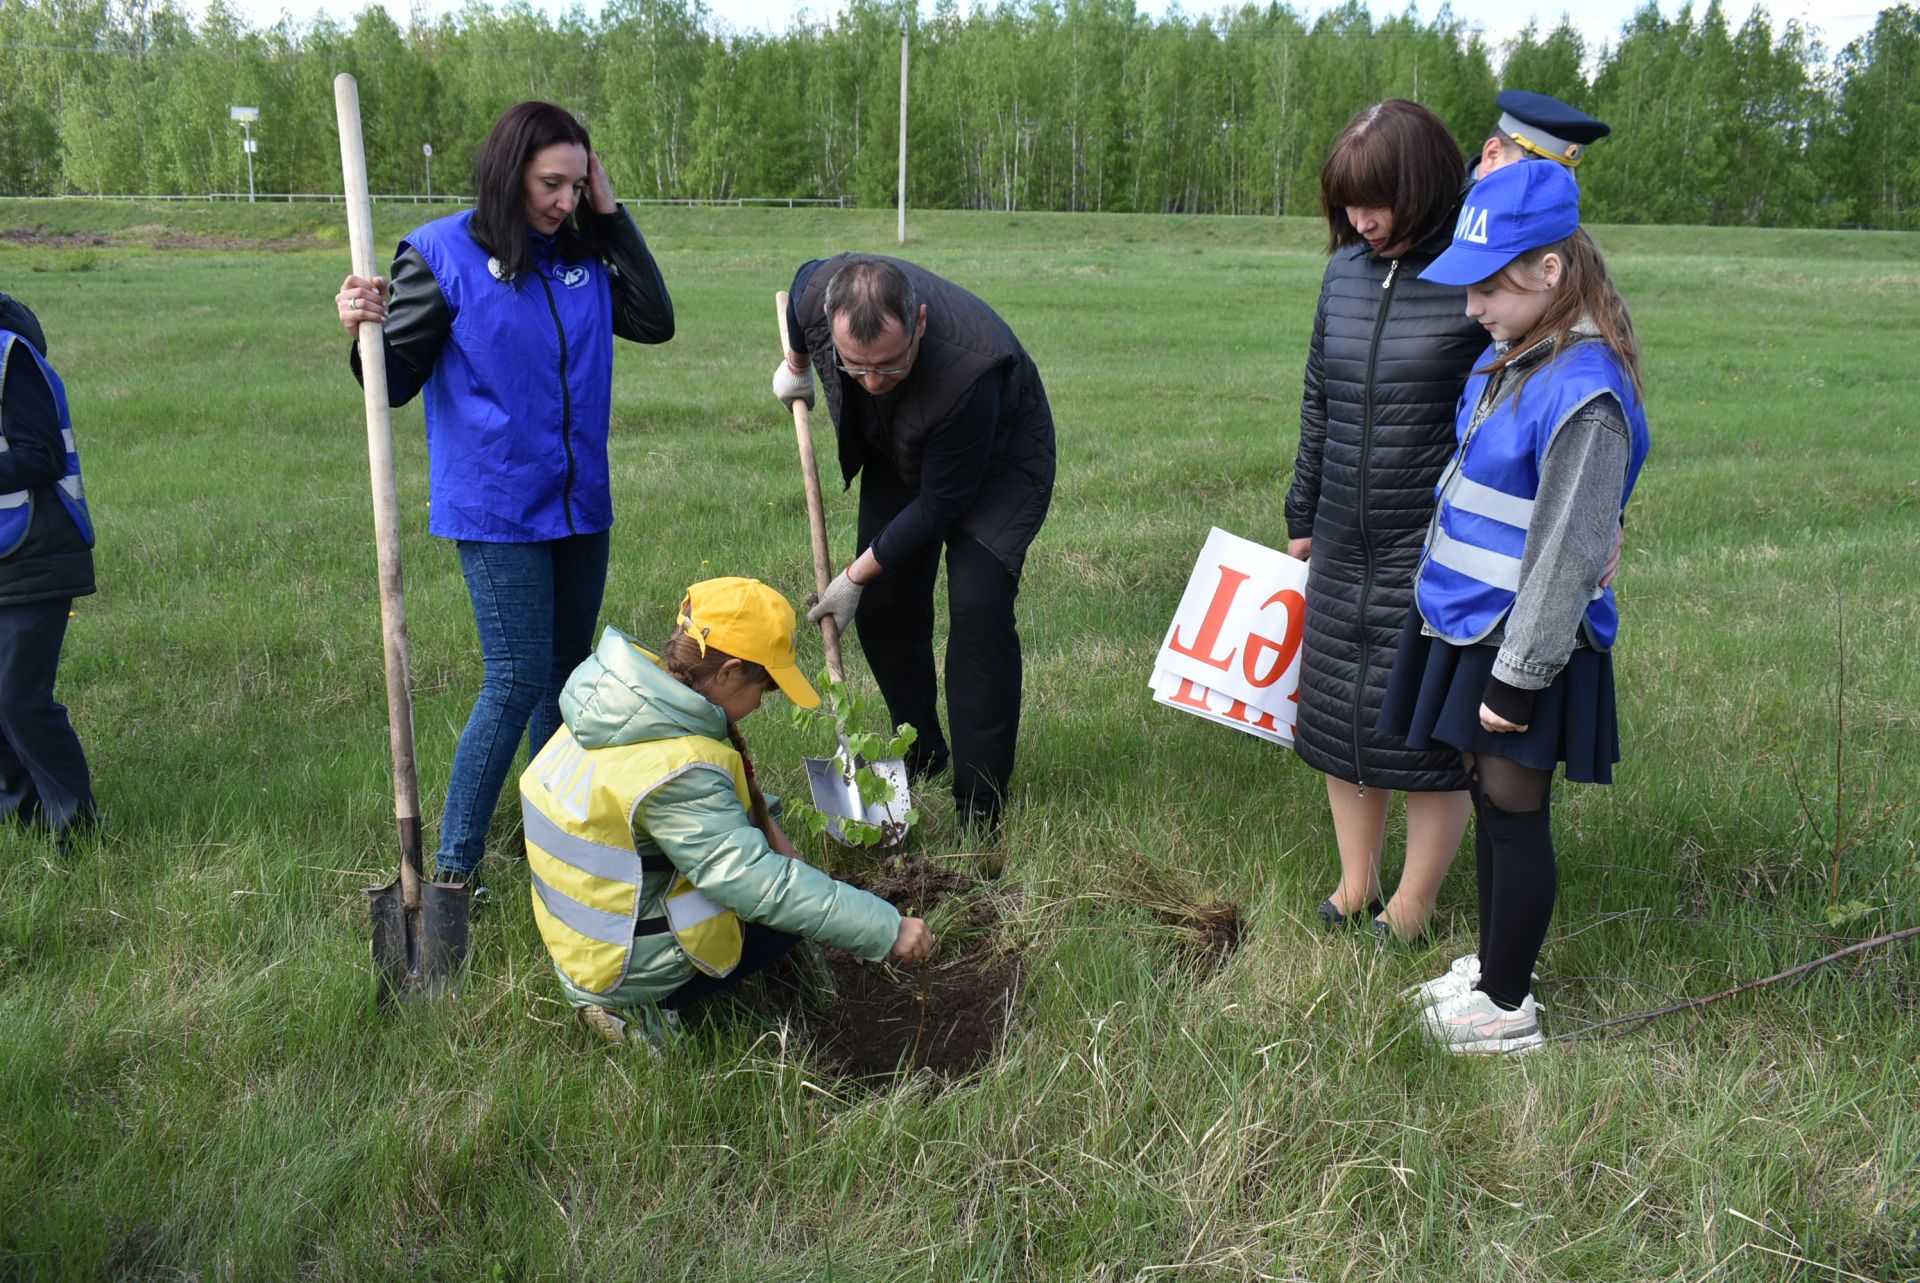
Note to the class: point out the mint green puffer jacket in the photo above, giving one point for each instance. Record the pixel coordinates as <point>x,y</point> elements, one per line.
<point>620,695</point>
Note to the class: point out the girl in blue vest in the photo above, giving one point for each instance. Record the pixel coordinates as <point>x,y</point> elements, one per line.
<point>1506,655</point>
<point>505,315</point>
<point>659,875</point>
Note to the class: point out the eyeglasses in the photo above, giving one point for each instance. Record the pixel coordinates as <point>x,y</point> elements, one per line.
<point>862,371</point>
<point>884,371</point>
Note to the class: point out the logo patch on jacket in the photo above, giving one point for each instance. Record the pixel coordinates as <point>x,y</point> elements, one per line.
<point>572,277</point>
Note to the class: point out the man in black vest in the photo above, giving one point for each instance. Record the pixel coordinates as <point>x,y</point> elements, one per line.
<point>941,411</point>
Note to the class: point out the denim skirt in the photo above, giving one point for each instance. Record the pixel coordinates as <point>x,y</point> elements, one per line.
<point>1434,693</point>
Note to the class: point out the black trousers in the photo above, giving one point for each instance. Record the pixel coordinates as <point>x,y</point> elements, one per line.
<point>895,619</point>
<point>760,948</point>
<point>43,772</point>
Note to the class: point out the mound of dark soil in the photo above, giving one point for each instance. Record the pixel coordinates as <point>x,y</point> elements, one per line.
<point>41,235</point>
<point>947,1017</point>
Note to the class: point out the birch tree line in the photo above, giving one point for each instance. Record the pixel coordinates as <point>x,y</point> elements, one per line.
<point>1028,104</point>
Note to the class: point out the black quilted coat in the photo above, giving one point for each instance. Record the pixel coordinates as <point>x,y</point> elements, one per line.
<point>1390,355</point>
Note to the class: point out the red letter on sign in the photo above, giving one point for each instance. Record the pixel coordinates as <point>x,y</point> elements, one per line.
<point>1239,714</point>
<point>1287,647</point>
<point>1202,647</point>
<point>1188,695</point>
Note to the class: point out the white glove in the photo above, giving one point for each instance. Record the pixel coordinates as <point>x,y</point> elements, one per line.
<point>789,387</point>
<point>839,600</point>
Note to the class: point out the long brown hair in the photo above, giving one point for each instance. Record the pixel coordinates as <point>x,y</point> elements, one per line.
<point>1399,156</point>
<point>499,192</point>
<point>682,659</point>
<point>1585,293</point>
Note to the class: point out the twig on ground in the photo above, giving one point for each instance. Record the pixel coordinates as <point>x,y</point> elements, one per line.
<point>1692,1004</point>
<point>926,999</point>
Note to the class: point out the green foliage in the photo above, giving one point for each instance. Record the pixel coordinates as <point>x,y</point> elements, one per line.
<point>1874,163</point>
<point>841,713</point>
<point>1085,105</point>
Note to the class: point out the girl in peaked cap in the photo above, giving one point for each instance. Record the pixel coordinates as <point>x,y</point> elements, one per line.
<point>1506,655</point>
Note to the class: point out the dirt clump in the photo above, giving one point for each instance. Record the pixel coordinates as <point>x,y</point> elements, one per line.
<point>946,1017</point>
<point>1212,927</point>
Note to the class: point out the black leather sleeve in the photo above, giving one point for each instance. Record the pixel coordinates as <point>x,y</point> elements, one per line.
<point>418,321</point>
<point>642,310</point>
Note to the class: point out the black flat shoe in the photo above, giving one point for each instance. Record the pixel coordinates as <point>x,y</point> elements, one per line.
<point>1332,919</point>
<point>1384,936</point>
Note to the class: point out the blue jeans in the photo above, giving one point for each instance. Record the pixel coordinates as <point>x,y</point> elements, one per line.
<point>535,605</point>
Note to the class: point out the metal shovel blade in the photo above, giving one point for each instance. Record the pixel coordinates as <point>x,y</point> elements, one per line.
<point>836,797</point>
<point>418,953</point>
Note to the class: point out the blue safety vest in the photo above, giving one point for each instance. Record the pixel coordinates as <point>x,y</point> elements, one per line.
<point>520,399</point>
<point>1470,570</point>
<point>16,508</point>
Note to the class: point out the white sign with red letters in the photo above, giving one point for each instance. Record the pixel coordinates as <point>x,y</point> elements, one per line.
<point>1233,653</point>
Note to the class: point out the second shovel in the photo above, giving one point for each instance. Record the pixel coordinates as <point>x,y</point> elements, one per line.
<point>836,795</point>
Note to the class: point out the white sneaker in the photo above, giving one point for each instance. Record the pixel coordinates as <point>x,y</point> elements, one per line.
<point>1461,977</point>
<point>1470,1024</point>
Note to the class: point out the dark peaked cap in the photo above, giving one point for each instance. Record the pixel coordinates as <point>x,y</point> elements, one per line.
<point>1546,127</point>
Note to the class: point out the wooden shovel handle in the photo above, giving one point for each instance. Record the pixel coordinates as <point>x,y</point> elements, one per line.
<point>386,497</point>
<point>816,511</point>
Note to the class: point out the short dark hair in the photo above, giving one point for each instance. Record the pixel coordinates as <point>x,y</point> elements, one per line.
<point>867,291</point>
<point>1399,156</point>
<point>499,201</point>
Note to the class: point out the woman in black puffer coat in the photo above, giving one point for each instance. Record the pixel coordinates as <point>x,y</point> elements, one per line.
<point>1390,354</point>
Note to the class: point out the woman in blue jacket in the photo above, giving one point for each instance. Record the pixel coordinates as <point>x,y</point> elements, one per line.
<point>505,315</point>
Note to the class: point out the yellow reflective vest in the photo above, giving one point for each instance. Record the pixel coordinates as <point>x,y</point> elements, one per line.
<point>578,807</point>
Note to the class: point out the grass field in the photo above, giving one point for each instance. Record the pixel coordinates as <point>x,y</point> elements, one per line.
<point>194,1083</point>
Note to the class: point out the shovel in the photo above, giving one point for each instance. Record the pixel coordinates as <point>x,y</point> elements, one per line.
<point>419,927</point>
<point>834,793</point>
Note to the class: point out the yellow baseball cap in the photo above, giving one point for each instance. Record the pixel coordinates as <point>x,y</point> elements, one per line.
<point>750,621</point>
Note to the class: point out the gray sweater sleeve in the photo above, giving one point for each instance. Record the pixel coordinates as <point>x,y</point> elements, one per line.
<point>1575,517</point>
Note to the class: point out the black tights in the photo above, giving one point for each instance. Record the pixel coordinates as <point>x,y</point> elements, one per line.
<point>1514,871</point>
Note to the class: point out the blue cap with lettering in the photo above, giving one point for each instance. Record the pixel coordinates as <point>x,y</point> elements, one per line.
<point>1507,213</point>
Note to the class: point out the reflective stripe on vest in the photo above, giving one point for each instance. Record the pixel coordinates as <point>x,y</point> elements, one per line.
<point>588,879</point>
<point>1469,573</point>
<point>16,506</point>
<point>709,934</point>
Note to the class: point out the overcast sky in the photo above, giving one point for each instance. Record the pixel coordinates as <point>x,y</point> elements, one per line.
<point>1835,22</point>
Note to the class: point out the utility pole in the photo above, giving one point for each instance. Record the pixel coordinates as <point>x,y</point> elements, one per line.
<point>903,126</point>
<point>246,116</point>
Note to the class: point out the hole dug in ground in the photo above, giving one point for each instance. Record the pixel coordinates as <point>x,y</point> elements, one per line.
<point>947,1017</point>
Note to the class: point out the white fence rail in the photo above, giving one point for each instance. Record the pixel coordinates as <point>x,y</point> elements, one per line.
<point>282,198</point>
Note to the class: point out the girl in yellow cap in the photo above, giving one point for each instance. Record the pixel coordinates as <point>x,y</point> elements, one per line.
<point>658,875</point>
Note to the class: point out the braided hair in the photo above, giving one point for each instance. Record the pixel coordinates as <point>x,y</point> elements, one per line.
<point>681,656</point>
